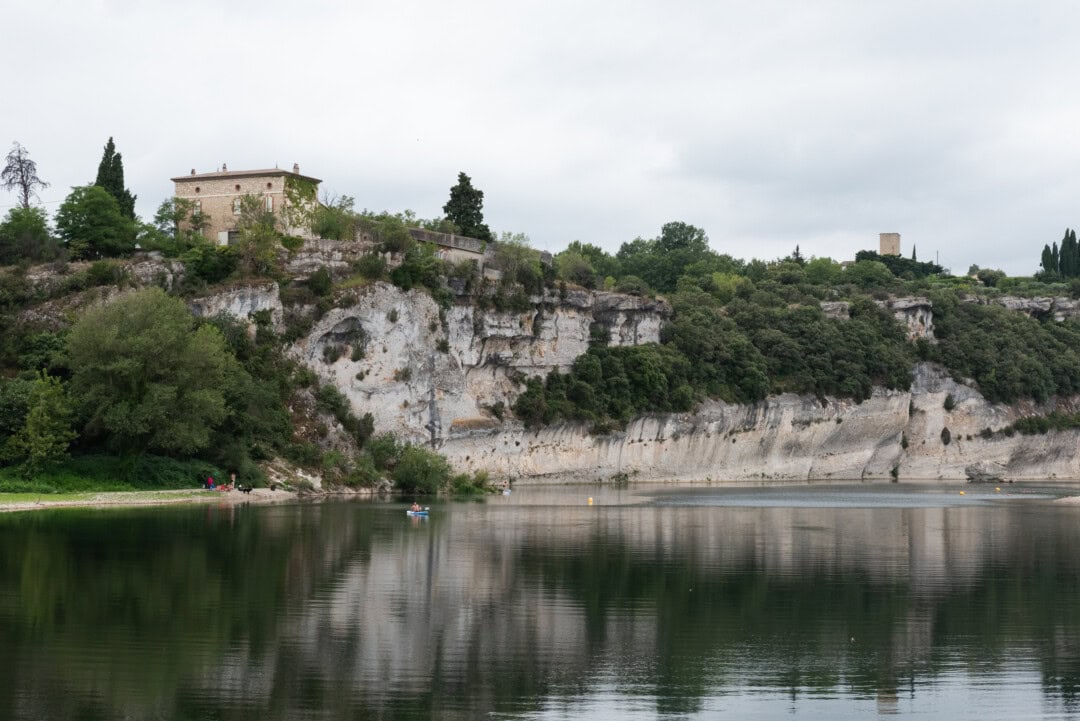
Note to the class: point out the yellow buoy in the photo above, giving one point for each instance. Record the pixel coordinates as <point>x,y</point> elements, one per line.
<point>997,490</point>
<point>590,500</point>
<point>961,493</point>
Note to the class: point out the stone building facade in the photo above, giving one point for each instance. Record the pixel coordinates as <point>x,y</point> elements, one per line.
<point>217,196</point>
<point>889,243</point>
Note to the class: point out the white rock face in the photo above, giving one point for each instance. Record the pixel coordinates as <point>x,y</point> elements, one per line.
<point>786,437</point>
<point>425,376</point>
<point>153,269</point>
<point>241,303</point>
<point>1060,308</point>
<point>336,255</point>
<point>437,378</point>
<point>916,313</point>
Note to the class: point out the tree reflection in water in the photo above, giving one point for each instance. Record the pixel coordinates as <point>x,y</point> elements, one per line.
<point>345,610</point>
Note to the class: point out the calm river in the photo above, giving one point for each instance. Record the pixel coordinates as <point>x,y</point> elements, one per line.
<point>654,602</point>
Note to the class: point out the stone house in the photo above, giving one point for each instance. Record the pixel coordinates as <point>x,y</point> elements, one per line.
<point>218,196</point>
<point>458,248</point>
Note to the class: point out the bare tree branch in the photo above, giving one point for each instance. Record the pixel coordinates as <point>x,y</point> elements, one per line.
<point>20,174</point>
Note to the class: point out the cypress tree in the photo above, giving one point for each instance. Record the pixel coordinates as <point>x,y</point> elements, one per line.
<point>465,209</point>
<point>110,176</point>
<point>1056,258</point>
<point>1047,262</point>
<point>1074,258</point>
<point>913,254</point>
<point>1069,263</point>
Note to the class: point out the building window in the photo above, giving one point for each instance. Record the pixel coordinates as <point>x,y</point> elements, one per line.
<point>197,208</point>
<point>269,204</point>
<point>196,189</point>
<point>236,206</point>
<point>238,187</point>
<point>269,186</point>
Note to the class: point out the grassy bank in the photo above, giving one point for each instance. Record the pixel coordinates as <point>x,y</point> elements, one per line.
<point>95,474</point>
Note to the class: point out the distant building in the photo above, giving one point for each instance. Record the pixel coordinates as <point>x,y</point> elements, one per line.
<point>457,248</point>
<point>889,243</point>
<point>218,194</point>
<point>454,248</point>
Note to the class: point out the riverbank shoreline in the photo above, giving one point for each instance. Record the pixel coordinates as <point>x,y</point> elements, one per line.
<point>120,499</point>
<point>16,502</point>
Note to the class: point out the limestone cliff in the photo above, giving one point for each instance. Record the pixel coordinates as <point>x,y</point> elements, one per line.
<point>426,374</point>
<point>788,437</point>
<point>447,378</point>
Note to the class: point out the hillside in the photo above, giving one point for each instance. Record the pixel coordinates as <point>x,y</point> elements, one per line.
<point>349,362</point>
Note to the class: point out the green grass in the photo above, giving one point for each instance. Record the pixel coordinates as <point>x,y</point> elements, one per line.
<point>94,474</point>
<point>355,281</point>
<point>51,497</point>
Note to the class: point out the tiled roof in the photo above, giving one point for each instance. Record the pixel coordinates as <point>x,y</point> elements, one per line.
<point>242,174</point>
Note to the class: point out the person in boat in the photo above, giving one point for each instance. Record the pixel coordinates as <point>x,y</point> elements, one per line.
<point>415,507</point>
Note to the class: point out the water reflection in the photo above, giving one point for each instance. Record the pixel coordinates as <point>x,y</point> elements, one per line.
<point>636,607</point>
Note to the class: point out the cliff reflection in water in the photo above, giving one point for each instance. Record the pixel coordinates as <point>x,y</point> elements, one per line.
<point>350,610</point>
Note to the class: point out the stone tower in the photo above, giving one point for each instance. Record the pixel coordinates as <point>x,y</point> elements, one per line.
<point>890,243</point>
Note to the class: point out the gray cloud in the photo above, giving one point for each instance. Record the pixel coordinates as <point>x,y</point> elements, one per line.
<point>767,123</point>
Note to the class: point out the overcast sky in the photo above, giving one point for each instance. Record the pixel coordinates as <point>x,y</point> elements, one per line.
<point>769,124</point>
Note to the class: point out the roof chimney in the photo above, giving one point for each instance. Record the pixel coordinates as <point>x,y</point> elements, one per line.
<point>193,171</point>
<point>296,168</point>
<point>224,168</point>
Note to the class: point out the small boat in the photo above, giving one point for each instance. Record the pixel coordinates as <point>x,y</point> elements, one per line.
<point>506,491</point>
<point>417,514</point>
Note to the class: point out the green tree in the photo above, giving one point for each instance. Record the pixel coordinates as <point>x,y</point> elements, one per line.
<point>1069,259</point>
<point>990,277</point>
<point>177,227</point>
<point>574,267</point>
<point>419,267</point>
<point>46,433</point>
<point>823,271</point>
<point>24,235</point>
<point>145,378</point>
<point>20,174</point>
<point>91,224</point>
<point>334,219</point>
<point>259,239</point>
<point>681,249</point>
<point>421,471</point>
<point>585,264</point>
<point>465,209</point>
<point>870,274</point>
<point>14,405</point>
<point>110,176</point>
<point>1049,267</point>
<point>518,262</point>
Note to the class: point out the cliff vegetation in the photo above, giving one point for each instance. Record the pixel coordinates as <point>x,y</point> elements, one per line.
<point>110,380</point>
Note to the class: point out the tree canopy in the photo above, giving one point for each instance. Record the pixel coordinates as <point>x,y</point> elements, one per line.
<point>91,224</point>
<point>110,176</point>
<point>24,235</point>
<point>466,209</point>
<point>145,378</point>
<point>1063,262</point>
